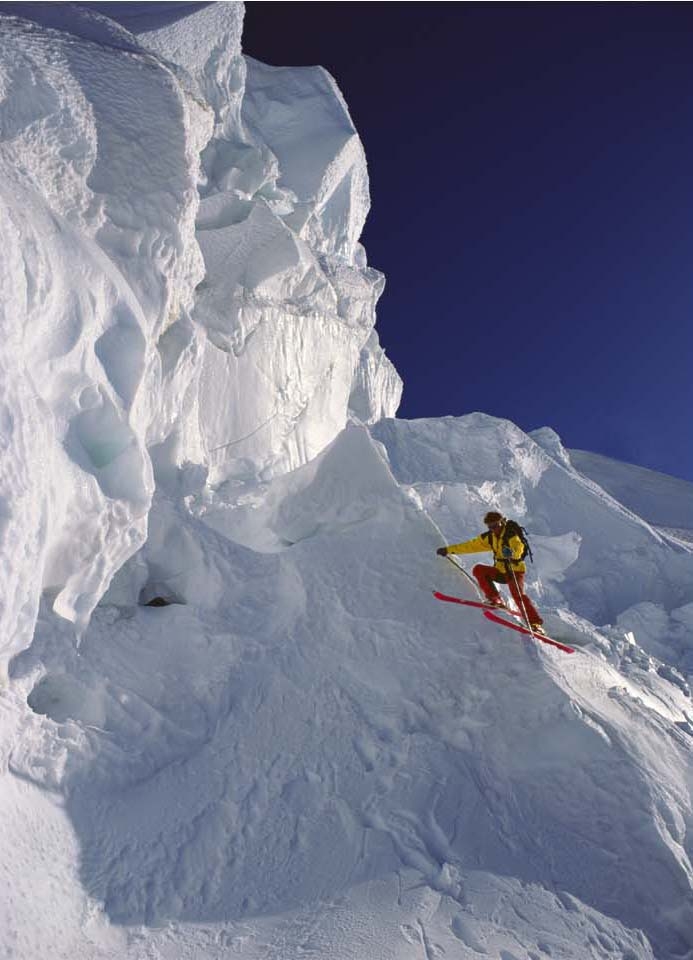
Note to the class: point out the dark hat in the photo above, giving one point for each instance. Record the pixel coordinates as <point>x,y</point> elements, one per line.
<point>493,517</point>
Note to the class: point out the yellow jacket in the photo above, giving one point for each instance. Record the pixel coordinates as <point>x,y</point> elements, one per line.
<point>493,543</point>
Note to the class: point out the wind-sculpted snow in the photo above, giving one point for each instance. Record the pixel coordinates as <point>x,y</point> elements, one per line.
<point>103,261</point>
<point>103,140</point>
<point>237,722</point>
<point>288,301</point>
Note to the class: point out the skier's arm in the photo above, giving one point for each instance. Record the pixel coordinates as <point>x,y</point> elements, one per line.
<point>477,545</point>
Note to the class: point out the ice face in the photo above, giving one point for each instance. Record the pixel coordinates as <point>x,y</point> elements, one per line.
<point>100,151</point>
<point>235,344</point>
<point>288,301</point>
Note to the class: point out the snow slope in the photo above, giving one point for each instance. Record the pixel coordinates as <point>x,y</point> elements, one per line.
<point>299,751</point>
<point>309,725</point>
<point>666,502</point>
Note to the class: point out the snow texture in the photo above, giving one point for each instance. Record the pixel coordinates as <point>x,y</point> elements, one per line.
<point>234,719</point>
<point>663,501</point>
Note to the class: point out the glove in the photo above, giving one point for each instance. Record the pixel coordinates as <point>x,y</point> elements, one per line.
<point>442,551</point>
<point>507,552</point>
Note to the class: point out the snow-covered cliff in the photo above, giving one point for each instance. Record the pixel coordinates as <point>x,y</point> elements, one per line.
<point>302,752</point>
<point>288,301</point>
<point>184,286</point>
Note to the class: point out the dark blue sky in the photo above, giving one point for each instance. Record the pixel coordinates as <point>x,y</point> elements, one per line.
<point>531,174</point>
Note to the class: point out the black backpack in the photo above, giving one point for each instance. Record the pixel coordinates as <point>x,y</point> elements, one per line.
<point>513,529</point>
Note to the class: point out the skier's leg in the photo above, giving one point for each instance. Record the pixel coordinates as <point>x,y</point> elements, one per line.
<point>485,577</point>
<point>517,589</point>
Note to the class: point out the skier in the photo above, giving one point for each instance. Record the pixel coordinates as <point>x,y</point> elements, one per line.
<point>508,549</point>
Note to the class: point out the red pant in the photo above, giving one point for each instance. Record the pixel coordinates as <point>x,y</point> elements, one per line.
<point>487,577</point>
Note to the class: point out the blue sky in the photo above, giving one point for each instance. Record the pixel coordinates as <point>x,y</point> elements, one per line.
<point>532,206</point>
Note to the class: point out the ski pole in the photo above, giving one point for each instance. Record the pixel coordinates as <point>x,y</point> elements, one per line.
<point>458,566</point>
<point>521,604</point>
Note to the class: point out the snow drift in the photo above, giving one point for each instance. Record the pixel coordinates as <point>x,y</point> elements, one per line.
<point>236,721</point>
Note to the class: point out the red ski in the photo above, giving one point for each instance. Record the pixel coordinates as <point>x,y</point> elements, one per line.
<point>473,603</point>
<point>490,615</point>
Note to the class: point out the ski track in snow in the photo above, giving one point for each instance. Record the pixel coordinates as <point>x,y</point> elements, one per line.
<point>303,753</point>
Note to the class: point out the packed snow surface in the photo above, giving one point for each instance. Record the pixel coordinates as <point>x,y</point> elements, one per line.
<point>235,721</point>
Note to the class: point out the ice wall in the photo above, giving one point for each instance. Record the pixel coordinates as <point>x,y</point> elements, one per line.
<point>99,151</point>
<point>288,300</point>
<point>184,285</point>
